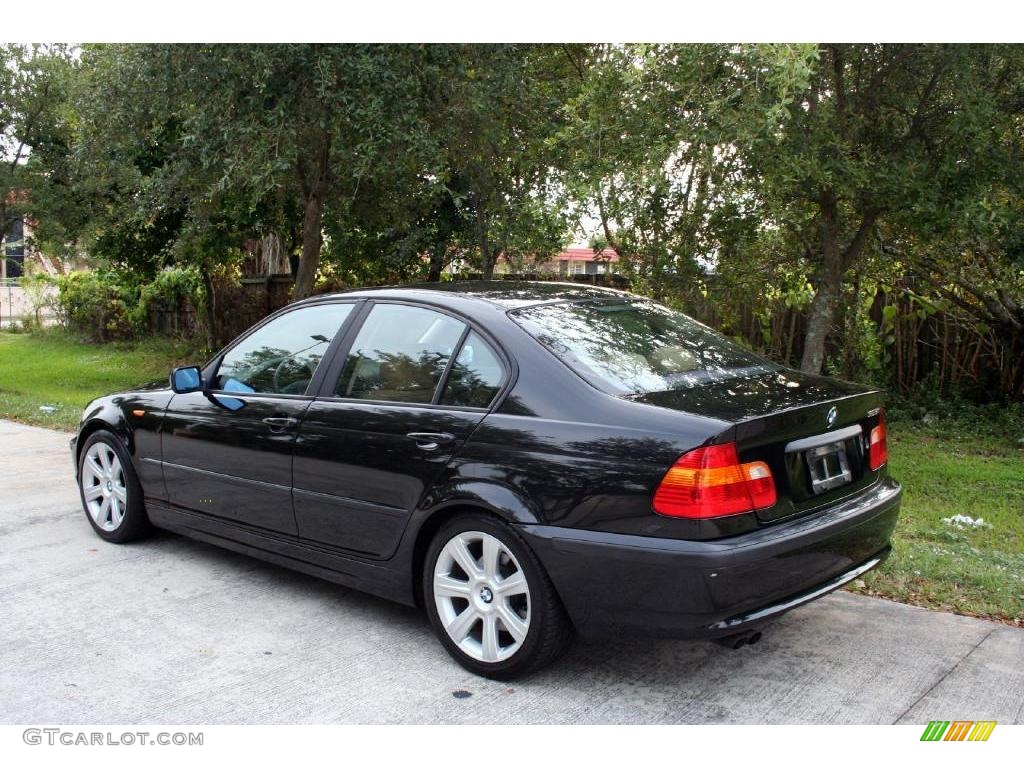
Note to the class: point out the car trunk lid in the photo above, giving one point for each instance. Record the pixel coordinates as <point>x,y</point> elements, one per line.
<point>811,431</point>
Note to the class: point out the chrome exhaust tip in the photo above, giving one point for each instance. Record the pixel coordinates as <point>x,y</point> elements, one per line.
<point>737,641</point>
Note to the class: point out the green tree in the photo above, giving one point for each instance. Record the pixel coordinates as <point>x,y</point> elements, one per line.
<point>975,271</point>
<point>201,147</point>
<point>905,134</point>
<point>321,123</point>
<point>34,125</point>
<point>498,117</point>
<point>652,138</point>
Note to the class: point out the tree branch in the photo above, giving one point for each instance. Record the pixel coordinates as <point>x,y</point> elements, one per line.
<point>856,245</point>
<point>572,59</point>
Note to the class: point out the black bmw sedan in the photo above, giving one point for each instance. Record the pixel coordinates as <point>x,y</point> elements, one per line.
<point>523,460</point>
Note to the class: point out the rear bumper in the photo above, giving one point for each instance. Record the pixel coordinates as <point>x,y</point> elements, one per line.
<point>615,584</point>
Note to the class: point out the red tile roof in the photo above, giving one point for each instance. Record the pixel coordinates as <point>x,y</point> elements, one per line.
<point>588,254</point>
<point>583,254</point>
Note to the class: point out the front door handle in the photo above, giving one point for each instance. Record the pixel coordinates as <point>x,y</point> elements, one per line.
<point>281,422</point>
<point>431,441</point>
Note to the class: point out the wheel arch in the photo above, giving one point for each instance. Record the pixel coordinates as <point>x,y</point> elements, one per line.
<point>491,499</point>
<point>96,423</point>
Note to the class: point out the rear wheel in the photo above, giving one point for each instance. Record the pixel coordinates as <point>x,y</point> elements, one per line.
<point>110,490</point>
<point>489,600</point>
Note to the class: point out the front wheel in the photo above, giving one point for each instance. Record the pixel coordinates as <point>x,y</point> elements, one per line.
<point>490,601</point>
<point>110,490</point>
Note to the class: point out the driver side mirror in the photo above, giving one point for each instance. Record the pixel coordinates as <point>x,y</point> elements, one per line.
<point>187,378</point>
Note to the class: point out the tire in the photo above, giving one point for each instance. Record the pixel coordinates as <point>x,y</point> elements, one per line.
<point>489,600</point>
<point>110,490</point>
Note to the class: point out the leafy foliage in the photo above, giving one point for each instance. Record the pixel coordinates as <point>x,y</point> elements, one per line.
<point>848,208</point>
<point>96,304</point>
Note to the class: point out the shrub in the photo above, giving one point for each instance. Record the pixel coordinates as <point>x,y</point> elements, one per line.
<point>97,305</point>
<point>105,305</point>
<point>955,415</point>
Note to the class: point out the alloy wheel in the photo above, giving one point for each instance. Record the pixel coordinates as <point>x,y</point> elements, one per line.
<point>482,596</point>
<point>103,486</point>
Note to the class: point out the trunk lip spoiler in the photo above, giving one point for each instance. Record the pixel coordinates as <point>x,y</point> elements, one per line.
<point>877,393</point>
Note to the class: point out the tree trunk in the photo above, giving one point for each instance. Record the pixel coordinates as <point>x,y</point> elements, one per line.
<point>829,283</point>
<point>312,239</point>
<point>312,222</point>
<point>489,258</point>
<point>834,262</point>
<point>489,262</point>
<point>819,323</point>
<point>212,337</point>
<point>436,263</point>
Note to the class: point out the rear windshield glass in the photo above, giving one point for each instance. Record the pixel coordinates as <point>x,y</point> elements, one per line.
<point>633,347</point>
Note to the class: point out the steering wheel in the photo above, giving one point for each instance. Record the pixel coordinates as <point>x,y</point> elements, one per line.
<point>277,374</point>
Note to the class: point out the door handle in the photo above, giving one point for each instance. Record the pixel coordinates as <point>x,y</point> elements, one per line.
<point>281,422</point>
<point>431,441</point>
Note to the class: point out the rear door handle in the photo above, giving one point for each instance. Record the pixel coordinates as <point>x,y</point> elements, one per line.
<point>281,422</point>
<point>431,441</point>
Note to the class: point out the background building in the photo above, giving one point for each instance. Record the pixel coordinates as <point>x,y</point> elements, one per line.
<point>571,261</point>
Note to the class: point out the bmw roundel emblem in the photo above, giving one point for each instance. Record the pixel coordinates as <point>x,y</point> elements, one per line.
<point>831,418</point>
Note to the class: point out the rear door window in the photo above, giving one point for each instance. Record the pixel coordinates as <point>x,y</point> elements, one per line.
<point>399,354</point>
<point>475,376</point>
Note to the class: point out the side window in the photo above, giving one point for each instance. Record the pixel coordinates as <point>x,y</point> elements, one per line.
<point>281,357</point>
<point>475,376</point>
<point>399,354</point>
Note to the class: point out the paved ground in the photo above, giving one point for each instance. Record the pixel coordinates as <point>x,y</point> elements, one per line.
<point>174,631</point>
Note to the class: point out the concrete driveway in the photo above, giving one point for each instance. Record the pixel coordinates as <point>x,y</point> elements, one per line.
<point>174,631</point>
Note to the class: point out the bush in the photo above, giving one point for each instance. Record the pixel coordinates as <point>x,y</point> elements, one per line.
<point>97,305</point>
<point>106,305</point>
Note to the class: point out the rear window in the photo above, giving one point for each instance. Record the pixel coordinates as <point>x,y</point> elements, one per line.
<point>634,347</point>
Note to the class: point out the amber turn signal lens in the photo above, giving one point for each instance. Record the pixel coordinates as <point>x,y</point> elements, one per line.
<point>711,482</point>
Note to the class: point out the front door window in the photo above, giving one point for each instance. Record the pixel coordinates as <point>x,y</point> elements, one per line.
<point>282,356</point>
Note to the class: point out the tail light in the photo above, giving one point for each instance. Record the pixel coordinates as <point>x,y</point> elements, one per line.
<point>878,450</point>
<point>711,482</point>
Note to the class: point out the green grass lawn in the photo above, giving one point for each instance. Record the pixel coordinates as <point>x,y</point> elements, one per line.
<point>945,472</point>
<point>53,369</point>
<point>974,571</point>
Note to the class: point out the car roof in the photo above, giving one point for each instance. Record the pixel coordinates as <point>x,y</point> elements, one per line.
<point>509,294</point>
